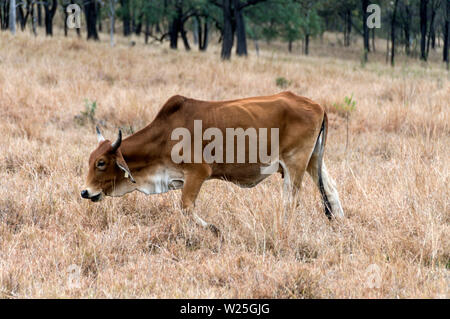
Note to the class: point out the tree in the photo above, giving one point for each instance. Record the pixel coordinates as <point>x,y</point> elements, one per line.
<point>275,19</point>
<point>23,14</point>
<point>309,22</point>
<point>201,32</point>
<point>394,15</point>
<point>4,15</point>
<point>423,29</point>
<point>112,17</point>
<point>227,32</point>
<point>406,18</point>
<point>33,19</point>
<point>50,10</point>
<point>153,14</point>
<point>446,34</point>
<point>39,14</point>
<point>12,16</point>
<point>124,13</point>
<point>365,4</point>
<point>291,26</point>
<point>234,23</point>
<point>90,12</point>
<point>435,4</point>
<point>346,14</point>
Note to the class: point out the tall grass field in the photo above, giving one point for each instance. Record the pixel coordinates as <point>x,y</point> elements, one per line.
<point>388,150</point>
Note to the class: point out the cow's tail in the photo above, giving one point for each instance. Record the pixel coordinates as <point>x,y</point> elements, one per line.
<point>321,141</point>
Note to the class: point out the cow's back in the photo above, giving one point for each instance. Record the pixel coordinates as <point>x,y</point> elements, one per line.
<point>281,110</point>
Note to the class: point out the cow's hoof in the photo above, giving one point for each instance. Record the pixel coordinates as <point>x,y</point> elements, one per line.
<point>214,229</point>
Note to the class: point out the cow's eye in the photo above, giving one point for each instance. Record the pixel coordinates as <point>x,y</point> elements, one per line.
<point>101,164</point>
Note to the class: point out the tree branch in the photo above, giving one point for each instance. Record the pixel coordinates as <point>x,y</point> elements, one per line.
<point>250,3</point>
<point>217,4</point>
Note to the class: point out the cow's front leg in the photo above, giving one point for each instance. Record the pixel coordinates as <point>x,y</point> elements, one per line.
<point>194,178</point>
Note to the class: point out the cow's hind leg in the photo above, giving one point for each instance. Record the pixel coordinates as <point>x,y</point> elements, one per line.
<point>194,179</point>
<point>326,186</point>
<point>293,172</point>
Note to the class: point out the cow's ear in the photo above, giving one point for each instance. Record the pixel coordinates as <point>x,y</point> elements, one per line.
<point>124,167</point>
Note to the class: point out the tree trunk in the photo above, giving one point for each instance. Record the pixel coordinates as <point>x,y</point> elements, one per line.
<point>99,17</point>
<point>147,30</point>
<point>394,14</point>
<point>138,29</point>
<point>39,14</point>
<point>202,34</point>
<point>138,25</point>
<point>373,40</point>
<point>227,35</point>
<point>241,47</point>
<point>5,18</point>
<point>12,16</point>
<point>431,32</point>
<point>49,14</point>
<point>387,47</point>
<point>348,28</point>
<point>21,16</point>
<point>290,46</point>
<point>433,40</point>
<point>112,17</point>
<point>306,44</point>
<point>365,4</point>
<point>173,33</point>
<point>406,30</point>
<point>90,12</point>
<point>205,40</point>
<point>256,46</point>
<point>66,15</point>
<point>2,18</point>
<point>198,36</point>
<point>423,29</point>
<point>185,39</point>
<point>126,17</point>
<point>446,33</point>
<point>33,18</point>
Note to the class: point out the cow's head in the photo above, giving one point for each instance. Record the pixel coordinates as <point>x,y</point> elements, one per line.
<point>108,172</point>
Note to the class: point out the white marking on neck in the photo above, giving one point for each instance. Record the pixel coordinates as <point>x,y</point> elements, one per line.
<point>160,182</point>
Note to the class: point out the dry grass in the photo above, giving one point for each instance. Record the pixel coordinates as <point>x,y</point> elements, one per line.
<point>393,180</point>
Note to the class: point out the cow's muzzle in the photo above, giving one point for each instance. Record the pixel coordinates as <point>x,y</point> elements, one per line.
<point>94,198</point>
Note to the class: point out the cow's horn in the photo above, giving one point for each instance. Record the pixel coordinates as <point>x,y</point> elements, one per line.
<point>100,137</point>
<point>117,143</point>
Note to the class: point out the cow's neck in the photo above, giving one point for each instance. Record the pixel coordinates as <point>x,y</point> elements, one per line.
<point>143,147</point>
<point>143,152</point>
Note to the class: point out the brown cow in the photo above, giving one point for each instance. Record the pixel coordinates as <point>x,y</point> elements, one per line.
<point>145,161</point>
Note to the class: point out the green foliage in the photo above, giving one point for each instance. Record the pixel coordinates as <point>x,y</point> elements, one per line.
<point>286,19</point>
<point>346,109</point>
<point>282,82</point>
<point>88,115</point>
<point>348,106</point>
